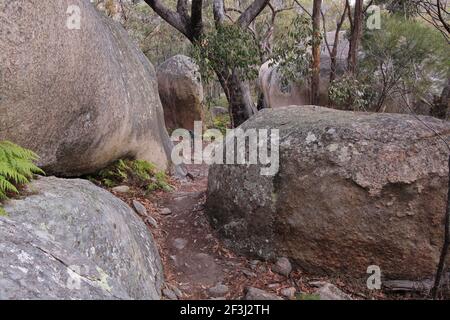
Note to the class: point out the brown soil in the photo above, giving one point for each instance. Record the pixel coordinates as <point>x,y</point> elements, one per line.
<point>201,260</point>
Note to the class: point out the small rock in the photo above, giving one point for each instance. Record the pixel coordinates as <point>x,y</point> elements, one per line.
<point>151,221</point>
<point>254,264</point>
<point>121,189</point>
<point>218,290</point>
<point>258,294</point>
<point>328,291</point>
<point>288,292</point>
<point>165,211</point>
<point>249,274</point>
<point>139,207</point>
<point>179,243</point>
<point>177,291</point>
<point>283,267</point>
<point>273,285</point>
<point>169,294</point>
<point>261,268</point>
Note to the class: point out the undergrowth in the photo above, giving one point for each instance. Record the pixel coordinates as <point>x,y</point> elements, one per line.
<point>139,173</point>
<point>222,123</point>
<point>16,169</point>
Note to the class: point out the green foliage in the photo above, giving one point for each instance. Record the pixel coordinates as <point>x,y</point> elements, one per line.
<point>404,56</point>
<point>16,167</point>
<point>307,297</point>
<point>228,49</point>
<point>404,8</point>
<point>350,93</point>
<point>220,101</point>
<point>139,173</point>
<point>222,122</point>
<point>292,54</point>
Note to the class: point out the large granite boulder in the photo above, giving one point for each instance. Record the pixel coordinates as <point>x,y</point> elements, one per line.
<point>80,98</point>
<point>181,92</point>
<point>92,223</point>
<point>353,190</point>
<point>279,94</point>
<point>34,266</point>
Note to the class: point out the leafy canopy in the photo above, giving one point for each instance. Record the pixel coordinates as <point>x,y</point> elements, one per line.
<point>292,53</point>
<point>227,48</point>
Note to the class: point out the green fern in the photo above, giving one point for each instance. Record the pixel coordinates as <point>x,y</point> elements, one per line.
<point>16,167</point>
<point>139,173</point>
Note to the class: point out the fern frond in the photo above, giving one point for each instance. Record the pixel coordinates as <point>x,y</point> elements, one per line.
<point>16,167</point>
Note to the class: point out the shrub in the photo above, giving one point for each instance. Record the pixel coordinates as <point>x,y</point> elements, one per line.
<point>222,123</point>
<point>405,57</point>
<point>230,48</point>
<point>16,168</point>
<point>350,93</point>
<point>292,54</point>
<point>139,173</point>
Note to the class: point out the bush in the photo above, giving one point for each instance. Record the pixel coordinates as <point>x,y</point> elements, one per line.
<point>139,173</point>
<point>227,48</point>
<point>222,123</point>
<point>292,54</point>
<point>350,93</point>
<point>16,169</point>
<point>405,57</point>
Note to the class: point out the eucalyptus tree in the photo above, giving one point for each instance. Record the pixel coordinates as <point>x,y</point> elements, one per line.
<point>188,19</point>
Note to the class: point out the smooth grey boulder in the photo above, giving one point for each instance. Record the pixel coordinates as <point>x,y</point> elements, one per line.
<point>80,98</point>
<point>181,92</point>
<point>90,221</point>
<point>34,266</point>
<point>353,190</point>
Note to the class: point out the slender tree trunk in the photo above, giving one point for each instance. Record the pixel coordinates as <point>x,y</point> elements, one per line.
<point>334,52</point>
<point>240,102</point>
<point>356,35</point>
<point>315,79</point>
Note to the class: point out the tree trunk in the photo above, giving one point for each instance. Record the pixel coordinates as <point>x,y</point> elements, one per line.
<point>356,35</point>
<point>334,52</point>
<point>315,79</point>
<point>240,101</point>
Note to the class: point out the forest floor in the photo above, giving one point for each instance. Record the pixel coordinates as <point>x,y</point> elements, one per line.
<point>195,260</point>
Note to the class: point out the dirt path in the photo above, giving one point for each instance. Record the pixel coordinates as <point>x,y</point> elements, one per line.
<point>194,258</point>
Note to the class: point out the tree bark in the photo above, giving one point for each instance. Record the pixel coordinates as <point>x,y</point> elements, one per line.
<point>240,102</point>
<point>356,35</point>
<point>315,79</point>
<point>334,51</point>
<point>444,252</point>
<point>241,106</point>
